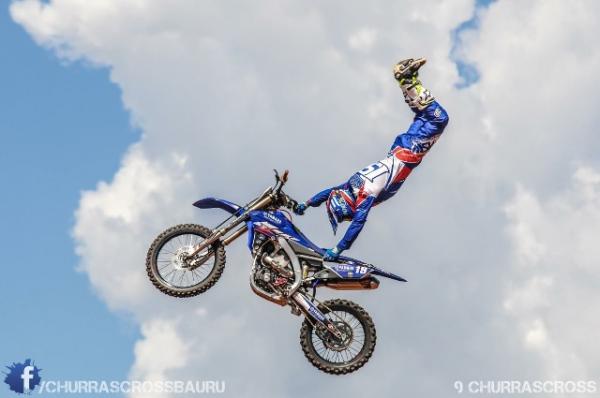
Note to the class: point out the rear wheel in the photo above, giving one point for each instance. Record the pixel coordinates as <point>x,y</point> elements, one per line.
<point>170,267</point>
<point>340,355</point>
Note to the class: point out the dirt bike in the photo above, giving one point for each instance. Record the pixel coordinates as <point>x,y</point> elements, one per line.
<point>337,336</point>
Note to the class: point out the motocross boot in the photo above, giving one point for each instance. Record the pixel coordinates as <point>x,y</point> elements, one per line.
<point>406,72</point>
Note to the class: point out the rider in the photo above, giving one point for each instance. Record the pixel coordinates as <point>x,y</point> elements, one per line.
<point>352,200</point>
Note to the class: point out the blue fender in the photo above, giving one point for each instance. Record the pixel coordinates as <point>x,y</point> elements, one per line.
<point>380,272</point>
<point>216,203</point>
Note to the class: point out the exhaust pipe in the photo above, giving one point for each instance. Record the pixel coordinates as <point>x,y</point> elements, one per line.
<point>274,298</point>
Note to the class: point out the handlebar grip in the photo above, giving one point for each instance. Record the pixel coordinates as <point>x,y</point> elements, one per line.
<point>284,177</point>
<point>293,205</point>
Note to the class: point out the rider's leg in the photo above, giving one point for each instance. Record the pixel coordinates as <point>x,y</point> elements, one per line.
<point>430,118</point>
<point>406,74</point>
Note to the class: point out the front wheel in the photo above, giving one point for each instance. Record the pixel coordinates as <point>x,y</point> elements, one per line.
<point>170,267</point>
<point>339,355</point>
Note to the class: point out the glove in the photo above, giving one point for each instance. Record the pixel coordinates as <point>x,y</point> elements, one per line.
<point>300,208</point>
<point>332,254</point>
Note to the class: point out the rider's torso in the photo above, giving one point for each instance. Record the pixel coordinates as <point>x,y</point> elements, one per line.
<point>382,179</point>
<point>378,177</point>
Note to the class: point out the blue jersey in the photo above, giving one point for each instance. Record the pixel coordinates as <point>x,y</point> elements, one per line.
<point>381,180</point>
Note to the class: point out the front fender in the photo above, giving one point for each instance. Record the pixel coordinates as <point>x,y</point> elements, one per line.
<point>216,203</point>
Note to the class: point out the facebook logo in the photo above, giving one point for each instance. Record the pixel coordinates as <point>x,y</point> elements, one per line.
<point>23,377</point>
<point>27,376</point>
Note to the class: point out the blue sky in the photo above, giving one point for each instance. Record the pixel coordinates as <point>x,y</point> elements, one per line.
<point>63,129</point>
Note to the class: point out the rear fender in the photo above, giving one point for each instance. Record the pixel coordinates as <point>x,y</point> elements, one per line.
<point>380,272</point>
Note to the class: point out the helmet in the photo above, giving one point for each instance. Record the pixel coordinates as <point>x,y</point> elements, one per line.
<point>340,207</point>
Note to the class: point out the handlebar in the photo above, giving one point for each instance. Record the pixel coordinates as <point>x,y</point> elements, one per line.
<point>280,181</point>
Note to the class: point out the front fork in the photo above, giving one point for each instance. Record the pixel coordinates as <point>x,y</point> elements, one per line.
<point>196,262</point>
<point>263,201</point>
<point>313,312</point>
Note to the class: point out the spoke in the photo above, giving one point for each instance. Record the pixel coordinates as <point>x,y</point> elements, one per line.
<point>347,357</point>
<point>320,348</point>
<point>170,280</point>
<point>200,278</point>
<point>319,342</point>
<point>329,355</point>
<point>175,242</point>
<point>173,277</point>
<point>206,270</point>
<point>172,243</point>
<point>356,345</point>
<point>165,276</point>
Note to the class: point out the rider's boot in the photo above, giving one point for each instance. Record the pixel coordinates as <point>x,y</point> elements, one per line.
<point>406,73</point>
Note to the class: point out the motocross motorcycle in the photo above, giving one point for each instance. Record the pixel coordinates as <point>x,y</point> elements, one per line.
<point>337,336</point>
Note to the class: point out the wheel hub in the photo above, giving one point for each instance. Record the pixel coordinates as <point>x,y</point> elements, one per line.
<point>338,344</point>
<point>180,260</point>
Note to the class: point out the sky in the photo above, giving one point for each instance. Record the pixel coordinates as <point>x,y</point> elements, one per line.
<point>120,114</point>
<point>63,128</point>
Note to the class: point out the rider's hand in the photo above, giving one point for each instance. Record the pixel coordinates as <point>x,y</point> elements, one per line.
<point>300,208</point>
<point>332,254</point>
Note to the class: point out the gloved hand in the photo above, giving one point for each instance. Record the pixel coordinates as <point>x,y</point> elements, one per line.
<point>332,254</point>
<point>300,208</point>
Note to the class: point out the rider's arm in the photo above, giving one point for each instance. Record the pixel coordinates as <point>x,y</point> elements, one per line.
<point>357,224</point>
<point>322,196</point>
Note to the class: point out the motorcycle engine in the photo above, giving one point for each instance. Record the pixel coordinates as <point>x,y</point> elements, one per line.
<point>273,272</point>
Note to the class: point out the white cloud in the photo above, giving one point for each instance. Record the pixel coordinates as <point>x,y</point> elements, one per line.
<point>160,350</point>
<point>226,91</point>
<point>363,39</point>
<point>530,249</point>
<point>552,297</point>
<point>121,213</point>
